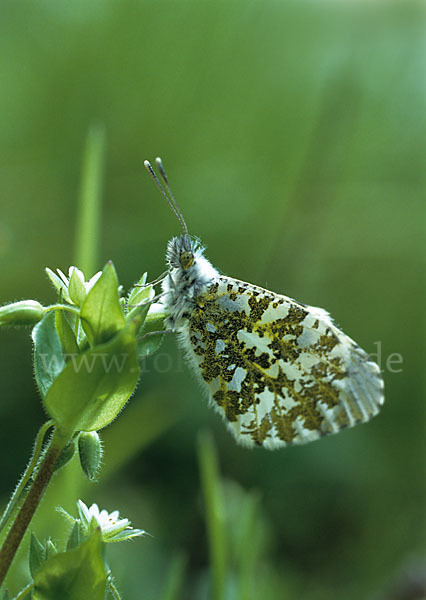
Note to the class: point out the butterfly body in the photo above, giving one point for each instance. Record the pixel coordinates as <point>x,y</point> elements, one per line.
<point>278,371</point>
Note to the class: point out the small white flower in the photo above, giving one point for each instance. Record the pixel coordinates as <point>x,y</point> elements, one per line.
<point>113,529</point>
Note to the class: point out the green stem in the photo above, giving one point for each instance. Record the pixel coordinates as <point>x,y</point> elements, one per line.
<point>31,502</point>
<point>16,496</point>
<point>66,307</point>
<point>24,592</point>
<point>215,514</point>
<point>114,591</point>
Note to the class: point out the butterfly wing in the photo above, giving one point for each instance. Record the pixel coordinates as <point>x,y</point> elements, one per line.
<point>278,371</point>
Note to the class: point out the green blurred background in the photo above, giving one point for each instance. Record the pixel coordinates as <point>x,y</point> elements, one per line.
<point>294,137</point>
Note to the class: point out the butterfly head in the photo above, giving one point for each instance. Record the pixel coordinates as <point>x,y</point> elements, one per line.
<point>185,257</point>
<point>183,251</point>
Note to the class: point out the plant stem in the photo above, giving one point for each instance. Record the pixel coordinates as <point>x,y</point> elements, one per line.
<point>16,496</point>
<point>215,514</point>
<point>24,592</point>
<point>66,307</point>
<point>114,591</point>
<point>27,510</point>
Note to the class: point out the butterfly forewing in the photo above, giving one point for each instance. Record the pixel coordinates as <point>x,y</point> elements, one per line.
<point>279,372</point>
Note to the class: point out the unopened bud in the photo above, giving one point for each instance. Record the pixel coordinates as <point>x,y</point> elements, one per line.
<point>25,312</point>
<point>90,450</point>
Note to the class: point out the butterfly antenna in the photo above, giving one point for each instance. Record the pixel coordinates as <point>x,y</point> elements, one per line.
<point>170,198</point>
<point>163,174</point>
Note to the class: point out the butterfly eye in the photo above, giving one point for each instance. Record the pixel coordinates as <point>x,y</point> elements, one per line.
<point>186,260</point>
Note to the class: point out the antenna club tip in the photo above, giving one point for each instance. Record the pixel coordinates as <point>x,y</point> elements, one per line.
<point>147,164</point>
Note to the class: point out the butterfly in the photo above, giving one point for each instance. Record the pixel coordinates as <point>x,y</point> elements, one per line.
<point>278,371</point>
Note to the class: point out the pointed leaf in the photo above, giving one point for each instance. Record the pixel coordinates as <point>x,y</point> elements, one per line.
<point>94,387</point>
<point>50,548</point>
<point>66,455</point>
<point>140,312</point>
<point>77,574</point>
<point>66,334</point>
<point>150,337</point>
<point>48,359</point>
<point>75,536</point>
<point>37,554</point>
<point>139,292</point>
<point>101,312</point>
<point>139,300</point>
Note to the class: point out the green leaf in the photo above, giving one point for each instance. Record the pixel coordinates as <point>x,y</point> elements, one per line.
<point>51,549</point>
<point>149,340</point>
<point>48,359</point>
<point>6,595</point>
<point>76,289</point>
<point>139,294</point>
<point>66,455</point>
<point>75,536</point>
<point>139,312</point>
<point>94,386</point>
<point>101,313</point>
<point>77,574</point>
<point>66,335</point>
<point>90,451</point>
<point>139,300</point>
<point>37,554</point>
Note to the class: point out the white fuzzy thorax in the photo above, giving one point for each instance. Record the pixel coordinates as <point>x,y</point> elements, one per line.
<point>183,286</point>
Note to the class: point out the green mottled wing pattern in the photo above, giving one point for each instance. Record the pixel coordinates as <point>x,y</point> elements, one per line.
<point>278,371</point>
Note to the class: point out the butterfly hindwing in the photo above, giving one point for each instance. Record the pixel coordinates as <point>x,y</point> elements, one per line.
<point>278,371</point>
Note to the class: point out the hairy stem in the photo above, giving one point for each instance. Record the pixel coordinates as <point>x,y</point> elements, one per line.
<point>19,491</point>
<point>24,592</point>
<point>114,591</point>
<point>28,508</point>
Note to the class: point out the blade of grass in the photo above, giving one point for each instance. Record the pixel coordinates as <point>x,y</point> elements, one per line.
<point>215,515</point>
<point>89,209</point>
<point>247,549</point>
<point>173,587</point>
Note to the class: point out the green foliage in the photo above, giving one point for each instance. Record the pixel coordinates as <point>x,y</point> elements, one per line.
<point>48,358</point>
<point>101,313</point>
<point>90,391</point>
<point>66,455</point>
<point>66,335</point>
<point>85,390</point>
<point>75,537</point>
<point>37,554</point>
<point>77,574</point>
